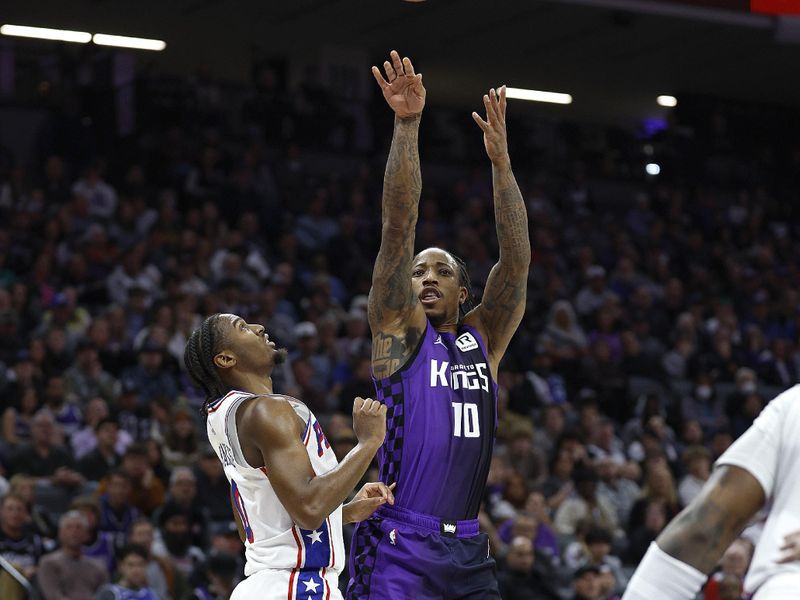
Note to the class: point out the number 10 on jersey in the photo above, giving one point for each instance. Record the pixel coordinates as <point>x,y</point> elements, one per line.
<point>465,420</point>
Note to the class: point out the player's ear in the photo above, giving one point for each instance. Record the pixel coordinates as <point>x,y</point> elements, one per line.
<point>225,359</point>
<point>462,295</point>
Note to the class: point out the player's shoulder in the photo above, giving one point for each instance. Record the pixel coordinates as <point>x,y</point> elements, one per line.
<point>269,414</point>
<point>789,399</point>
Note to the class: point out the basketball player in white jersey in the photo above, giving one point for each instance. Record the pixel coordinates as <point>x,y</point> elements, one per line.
<point>287,488</point>
<point>761,468</point>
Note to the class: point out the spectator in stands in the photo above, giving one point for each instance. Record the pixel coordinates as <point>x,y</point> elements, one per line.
<point>595,293</point>
<point>66,574</point>
<point>132,581</point>
<point>585,504</point>
<point>44,460</point>
<point>181,445</point>
<point>598,543</point>
<point>586,584</point>
<point>41,520</point>
<point>620,492</point>
<point>211,479</point>
<point>521,580</point>
<point>96,464</point>
<point>85,439</point>
<point>183,494</point>
<point>99,545</point>
<point>62,405</point>
<point>147,491</point>
<point>150,378</point>
<point>174,540</point>
<point>220,572</point>
<point>86,378</point>
<point>563,339</point>
<point>18,544</point>
<point>658,485</point>
<point>697,463</point>
<point>116,510</point>
<point>160,574</point>
<point>655,519</point>
<point>18,417</point>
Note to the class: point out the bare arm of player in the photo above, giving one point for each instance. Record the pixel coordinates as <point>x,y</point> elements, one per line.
<point>271,427</point>
<point>503,304</point>
<point>367,500</point>
<point>699,535</point>
<point>396,317</point>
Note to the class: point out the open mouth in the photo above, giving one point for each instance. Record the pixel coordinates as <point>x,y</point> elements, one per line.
<point>268,342</point>
<point>429,296</point>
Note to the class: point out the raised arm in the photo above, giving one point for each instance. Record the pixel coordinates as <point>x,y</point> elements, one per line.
<point>503,303</point>
<point>395,314</point>
<point>271,432</point>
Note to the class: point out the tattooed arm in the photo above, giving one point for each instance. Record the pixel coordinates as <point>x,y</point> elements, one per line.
<point>395,315</point>
<point>503,305</point>
<point>700,534</point>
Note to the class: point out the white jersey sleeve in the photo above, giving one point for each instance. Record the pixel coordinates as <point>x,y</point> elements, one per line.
<point>770,451</point>
<point>273,540</point>
<point>758,449</point>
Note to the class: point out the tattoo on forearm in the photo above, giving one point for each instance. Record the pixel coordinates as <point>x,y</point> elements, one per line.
<point>700,534</point>
<point>390,352</point>
<point>504,297</point>
<point>402,186</point>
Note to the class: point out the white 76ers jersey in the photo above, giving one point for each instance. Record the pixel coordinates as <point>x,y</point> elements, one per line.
<point>273,540</point>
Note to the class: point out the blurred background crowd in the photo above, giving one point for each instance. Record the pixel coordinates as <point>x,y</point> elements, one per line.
<point>663,314</point>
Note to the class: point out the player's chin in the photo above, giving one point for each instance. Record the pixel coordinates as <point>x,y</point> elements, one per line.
<point>279,356</point>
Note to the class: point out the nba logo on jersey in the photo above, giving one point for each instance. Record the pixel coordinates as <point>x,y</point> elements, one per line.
<point>393,537</point>
<point>466,342</point>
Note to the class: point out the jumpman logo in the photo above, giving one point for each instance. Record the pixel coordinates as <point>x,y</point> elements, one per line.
<point>439,341</point>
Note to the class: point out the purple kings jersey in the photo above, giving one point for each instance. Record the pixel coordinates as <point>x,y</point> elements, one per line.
<point>441,422</point>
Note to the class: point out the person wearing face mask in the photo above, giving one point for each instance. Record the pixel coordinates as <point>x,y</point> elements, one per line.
<point>703,405</point>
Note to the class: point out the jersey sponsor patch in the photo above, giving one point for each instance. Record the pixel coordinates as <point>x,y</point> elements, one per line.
<point>466,342</point>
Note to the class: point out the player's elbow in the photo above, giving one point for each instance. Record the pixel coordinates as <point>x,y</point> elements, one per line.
<point>309,517</point>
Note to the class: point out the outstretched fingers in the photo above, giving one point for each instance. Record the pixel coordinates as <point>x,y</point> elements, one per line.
<point>391,75</point>
<point>503,102</point>
<point>397,63</point>
<point>376,73</point>
<point>408,68</point>
<point>481,123</point>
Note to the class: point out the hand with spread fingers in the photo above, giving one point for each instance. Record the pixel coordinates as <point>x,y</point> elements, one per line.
<point>494,127</point>
<point>402,88</point>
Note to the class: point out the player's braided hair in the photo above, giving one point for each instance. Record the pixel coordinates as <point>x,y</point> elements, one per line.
<point>463,277</point>
<point>204,343</point>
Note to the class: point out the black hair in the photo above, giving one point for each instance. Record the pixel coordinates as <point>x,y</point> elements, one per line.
<point>203,345</point>
<point>463,276</point>
<point>129,549</point>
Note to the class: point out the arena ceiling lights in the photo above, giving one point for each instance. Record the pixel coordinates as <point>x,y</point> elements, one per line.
<point>538,96</point>
<point>82,37</point>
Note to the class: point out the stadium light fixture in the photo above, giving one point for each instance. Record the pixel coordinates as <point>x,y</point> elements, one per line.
<point>668,101</point>
<point>45,33</point>
<point>653,168</point>
<point>121,41</point>
<point>538,96</point>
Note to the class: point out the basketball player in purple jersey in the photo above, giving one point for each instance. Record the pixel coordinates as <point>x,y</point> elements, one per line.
<point>435,365</point>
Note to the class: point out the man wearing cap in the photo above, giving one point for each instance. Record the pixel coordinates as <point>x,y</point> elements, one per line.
<point>586,583</point>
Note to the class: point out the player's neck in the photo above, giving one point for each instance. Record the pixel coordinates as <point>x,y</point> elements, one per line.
<point>252,383</point>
